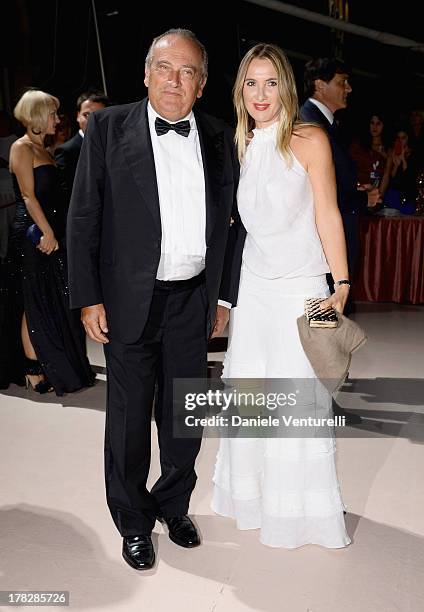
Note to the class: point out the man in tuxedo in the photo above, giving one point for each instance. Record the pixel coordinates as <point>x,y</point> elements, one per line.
<point>67,155</point>
<point>147,239</point>
<point>326,87</point>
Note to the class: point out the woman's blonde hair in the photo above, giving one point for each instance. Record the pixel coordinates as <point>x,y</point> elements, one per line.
<point>289,115</point>
<point>34,108</point>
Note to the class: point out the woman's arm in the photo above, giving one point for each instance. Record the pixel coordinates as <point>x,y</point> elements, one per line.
<point>21,164</point>
<point>320,167</point>
<point>387,173</point>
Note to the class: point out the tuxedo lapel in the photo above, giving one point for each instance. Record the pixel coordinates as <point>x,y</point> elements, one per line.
<point>75,142</point>
<point>318,116</point>
<point>138,151</point>
<point>212,146</point>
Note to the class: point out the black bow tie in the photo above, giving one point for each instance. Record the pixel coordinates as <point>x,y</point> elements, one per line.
<point>162,127</point>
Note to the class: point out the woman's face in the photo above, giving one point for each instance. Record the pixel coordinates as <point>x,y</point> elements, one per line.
<point>260,92</point>
<point>52,121</point>
<point>376,126</point>
<point>403,137</point>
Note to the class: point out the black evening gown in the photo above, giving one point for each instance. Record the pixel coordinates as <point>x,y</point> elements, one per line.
<point>37,284</point>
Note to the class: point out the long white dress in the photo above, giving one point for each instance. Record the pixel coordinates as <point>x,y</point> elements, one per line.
<point>286,487</point>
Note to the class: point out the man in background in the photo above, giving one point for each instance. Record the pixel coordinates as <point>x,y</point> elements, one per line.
<point>7,195</point>
<point>326,87</point>
<point>67,155</point>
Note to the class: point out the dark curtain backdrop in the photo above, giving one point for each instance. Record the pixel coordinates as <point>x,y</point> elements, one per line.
<point>52,45</point>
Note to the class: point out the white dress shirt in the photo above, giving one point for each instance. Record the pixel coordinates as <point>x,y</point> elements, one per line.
<point>325,111</point>
<point>81,133</point>
<point>182,200</point>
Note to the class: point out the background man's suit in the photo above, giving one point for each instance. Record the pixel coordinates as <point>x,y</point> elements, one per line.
<point>114,246</point>
<point>66,157</point>
<point>351,201</point>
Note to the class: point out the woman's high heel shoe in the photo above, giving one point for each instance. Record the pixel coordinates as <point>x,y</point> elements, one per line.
<point>33,368</point>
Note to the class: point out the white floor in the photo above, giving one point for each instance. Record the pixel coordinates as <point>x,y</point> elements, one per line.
<point>56,532</point>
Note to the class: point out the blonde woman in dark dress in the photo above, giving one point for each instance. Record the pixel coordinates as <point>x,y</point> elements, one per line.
<point>43,338</point>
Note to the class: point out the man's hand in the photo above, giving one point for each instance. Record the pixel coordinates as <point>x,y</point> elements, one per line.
<point>94,320</point>
<point>221,319</point>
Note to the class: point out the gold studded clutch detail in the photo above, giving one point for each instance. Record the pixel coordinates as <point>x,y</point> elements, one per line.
<point>317,317</point>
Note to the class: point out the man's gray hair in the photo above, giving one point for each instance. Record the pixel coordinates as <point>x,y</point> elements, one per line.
<point>184,34</point>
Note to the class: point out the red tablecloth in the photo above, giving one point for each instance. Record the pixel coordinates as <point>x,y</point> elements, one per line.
<point>391,268</point>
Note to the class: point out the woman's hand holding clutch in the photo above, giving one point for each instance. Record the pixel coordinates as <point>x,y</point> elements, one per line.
<point>48,243</point>
<point>338,299</point>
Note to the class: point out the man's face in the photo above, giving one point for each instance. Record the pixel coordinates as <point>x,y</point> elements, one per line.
<point>334,93</point>
<point>174,78</point>
<point>85,111</point>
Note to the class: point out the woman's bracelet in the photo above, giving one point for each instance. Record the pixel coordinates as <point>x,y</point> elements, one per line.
<point>343,281</point>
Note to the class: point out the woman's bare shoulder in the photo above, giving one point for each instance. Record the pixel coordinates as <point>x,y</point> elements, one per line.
<point>310,133</point>
<point>22,146</point>
<point>21,152</point>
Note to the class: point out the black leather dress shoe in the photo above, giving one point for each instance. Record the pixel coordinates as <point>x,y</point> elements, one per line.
<point>138,552</point>
<point>182,531</point>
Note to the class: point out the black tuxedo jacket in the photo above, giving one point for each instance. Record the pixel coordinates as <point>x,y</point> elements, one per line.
<point>66,157</point>
<point>114,225</point>
<point>350,200</point>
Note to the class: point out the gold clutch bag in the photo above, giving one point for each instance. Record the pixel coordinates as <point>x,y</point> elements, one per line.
<point>317,317</point>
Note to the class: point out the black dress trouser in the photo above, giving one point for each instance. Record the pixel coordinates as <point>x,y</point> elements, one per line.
<point>351,229</point>
<point>173,345</point>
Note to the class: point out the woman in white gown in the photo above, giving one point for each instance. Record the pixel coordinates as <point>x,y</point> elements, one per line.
<point>287,488</point>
